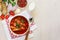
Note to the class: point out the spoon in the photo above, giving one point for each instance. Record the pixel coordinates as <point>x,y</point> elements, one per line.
<point>26,38</point>
<point>30,8</point>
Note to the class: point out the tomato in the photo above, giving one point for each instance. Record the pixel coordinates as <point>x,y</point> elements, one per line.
<point>24,24</point>
<point>7,16</point>
<point>2,16</point>
<point>12,23</point>
<point>18,21</point>
<point>22,28</point>
<point>12,13</point>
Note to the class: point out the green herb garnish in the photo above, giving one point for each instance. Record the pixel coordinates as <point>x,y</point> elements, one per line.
<point>5,0</point>
<point>17,25</point>
<point>12,2</point>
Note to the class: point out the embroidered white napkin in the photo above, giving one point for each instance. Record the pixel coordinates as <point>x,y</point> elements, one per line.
<point>32,27</point>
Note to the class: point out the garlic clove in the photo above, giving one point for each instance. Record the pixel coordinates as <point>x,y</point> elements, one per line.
<point>18,10</point>
<point>31,6</point>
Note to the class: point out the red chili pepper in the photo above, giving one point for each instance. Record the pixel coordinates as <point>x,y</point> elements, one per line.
<point>7,16</point>
<point>2,16</point>
<point>12,13</point>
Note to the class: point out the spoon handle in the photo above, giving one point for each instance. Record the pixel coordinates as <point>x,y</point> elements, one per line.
<point>26,38</point>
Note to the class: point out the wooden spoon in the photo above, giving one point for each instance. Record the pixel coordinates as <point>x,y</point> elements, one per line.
<point>26,38</point>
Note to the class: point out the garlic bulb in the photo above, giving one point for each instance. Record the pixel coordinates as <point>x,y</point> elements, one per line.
<point>31,6</point>
<point>18,10</point>
<point>4,8</point>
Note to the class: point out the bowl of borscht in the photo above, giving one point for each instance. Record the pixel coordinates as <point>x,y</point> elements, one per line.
<point>19,25</point>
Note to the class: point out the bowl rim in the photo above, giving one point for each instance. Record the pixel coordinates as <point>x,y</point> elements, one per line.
<point>15,33</point>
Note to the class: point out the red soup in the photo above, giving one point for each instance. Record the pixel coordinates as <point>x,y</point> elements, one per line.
<point>19,24</point>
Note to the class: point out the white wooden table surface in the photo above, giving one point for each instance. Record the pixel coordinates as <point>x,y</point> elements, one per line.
<point>47,17</point>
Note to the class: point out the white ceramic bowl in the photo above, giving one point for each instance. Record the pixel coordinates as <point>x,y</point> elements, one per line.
<point>12,31</point>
